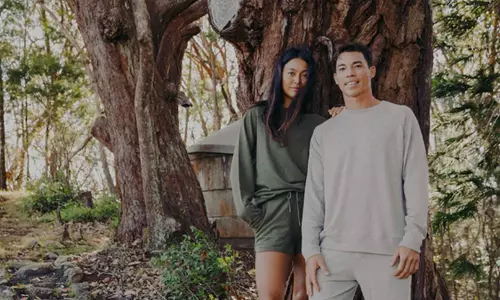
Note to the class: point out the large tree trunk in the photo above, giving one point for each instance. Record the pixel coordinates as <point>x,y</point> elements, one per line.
<point>398,33</point>
<point>136,49</point>
<point>3,173</point>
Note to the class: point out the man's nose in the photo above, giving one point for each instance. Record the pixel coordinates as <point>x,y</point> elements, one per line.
<point>350,72</point>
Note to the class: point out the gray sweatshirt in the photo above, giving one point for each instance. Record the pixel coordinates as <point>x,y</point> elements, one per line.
<point>367,183</point>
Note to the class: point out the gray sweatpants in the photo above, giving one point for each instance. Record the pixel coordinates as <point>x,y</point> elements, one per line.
<point>371,271</point>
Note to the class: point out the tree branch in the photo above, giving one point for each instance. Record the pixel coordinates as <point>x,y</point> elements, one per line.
<point>238,21</point>
<point>173,43</point>
<point>100,131</point>
<point>168,10</point>
<point>232,111</point>
<point>190,30</point>
<point>181,24</point>
<point>74,153</point>
<point>194,12</point>
<point>84,144</point>
<point>223,13</point>
<point>66,32</point>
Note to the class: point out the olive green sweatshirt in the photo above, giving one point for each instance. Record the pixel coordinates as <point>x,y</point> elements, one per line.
<point>261,168</point>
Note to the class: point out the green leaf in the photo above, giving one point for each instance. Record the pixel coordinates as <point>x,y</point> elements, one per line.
<point>462,267</point>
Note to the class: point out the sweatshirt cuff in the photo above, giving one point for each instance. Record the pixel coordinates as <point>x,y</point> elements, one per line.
<point>310,251</point>
<point>412,242</point>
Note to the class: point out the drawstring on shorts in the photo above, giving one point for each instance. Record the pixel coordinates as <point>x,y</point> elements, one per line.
<point>289,198</point>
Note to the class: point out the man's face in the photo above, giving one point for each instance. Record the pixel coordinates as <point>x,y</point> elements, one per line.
<point>353,75</point>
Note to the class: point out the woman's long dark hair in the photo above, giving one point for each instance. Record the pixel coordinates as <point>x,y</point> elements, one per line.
<point>277,122</point>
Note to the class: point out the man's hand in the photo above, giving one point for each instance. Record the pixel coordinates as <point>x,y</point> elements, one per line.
<point>408,262</point>
<point>313,263</point>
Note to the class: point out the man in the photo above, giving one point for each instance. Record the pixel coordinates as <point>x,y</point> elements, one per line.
<point>366,195</point>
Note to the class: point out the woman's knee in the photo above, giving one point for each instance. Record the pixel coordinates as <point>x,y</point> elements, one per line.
<point>271,293</point>
<point>300,295</point>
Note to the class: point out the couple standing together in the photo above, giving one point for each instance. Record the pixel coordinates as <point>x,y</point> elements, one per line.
<point>344,200</point>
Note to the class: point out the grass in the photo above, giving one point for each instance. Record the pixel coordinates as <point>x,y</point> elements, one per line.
<point>18,229</point>
<point>105,210</point>
<point>71,249</point>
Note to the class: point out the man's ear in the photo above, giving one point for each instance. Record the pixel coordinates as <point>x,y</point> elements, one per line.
<point>373,71</point>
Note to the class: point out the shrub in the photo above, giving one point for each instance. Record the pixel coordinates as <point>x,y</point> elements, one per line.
<point>47,195</point>
<point>105,209</point>
<point>196,268</point>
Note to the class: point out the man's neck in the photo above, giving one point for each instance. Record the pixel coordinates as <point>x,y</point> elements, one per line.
<point>360,102</point>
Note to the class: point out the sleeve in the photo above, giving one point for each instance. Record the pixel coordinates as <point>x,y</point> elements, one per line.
<point>243,173</point>
<point>415,184</point>
<point>314,202</point>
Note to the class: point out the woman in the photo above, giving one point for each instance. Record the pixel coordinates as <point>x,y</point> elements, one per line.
<point>269,169</point>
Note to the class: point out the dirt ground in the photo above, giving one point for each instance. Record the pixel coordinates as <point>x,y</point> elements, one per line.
<point>31,238</point>
<point>103,269</point>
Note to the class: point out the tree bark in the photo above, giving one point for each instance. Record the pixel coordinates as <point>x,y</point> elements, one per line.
<point>50,158</point>
<point>198,109</point>
<point>225,84</point>
<point>188,89</point>
<point>3,172</point>
<point>136,49</point>
<point>399,35</point>
<point>227,98</point>
<point>102,153</point>
<point>105,169</point>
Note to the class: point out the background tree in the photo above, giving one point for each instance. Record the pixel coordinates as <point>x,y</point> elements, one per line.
<point>136,51</point>
<point>465,163</point>
<point>9,11</point>
<point>45,95</point>
<point>209,81</point>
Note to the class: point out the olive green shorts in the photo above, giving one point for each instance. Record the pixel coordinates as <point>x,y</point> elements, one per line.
<point>279,228</point>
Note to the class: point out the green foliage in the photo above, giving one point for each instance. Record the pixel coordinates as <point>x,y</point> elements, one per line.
<point>105,209</point>
<point>484,82</point>
<point>442,220</point>
<point>47,97</point>
<point>447,86</point>
<point>462,267</point>
<point>458,25</point>
<point>465,164</point>
<point>46,195</point>
<point>197,269</point>
<point>11,5</point>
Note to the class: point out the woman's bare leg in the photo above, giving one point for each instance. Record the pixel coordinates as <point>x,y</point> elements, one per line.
<point>272,270</point>
<point>299,278</point>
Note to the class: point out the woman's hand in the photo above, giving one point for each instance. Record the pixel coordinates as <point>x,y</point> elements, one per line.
<point>334,111</point>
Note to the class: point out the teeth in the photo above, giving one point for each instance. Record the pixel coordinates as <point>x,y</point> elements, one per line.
<point>352,83</point>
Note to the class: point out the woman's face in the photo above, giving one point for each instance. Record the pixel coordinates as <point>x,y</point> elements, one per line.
<point>294,78</point>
